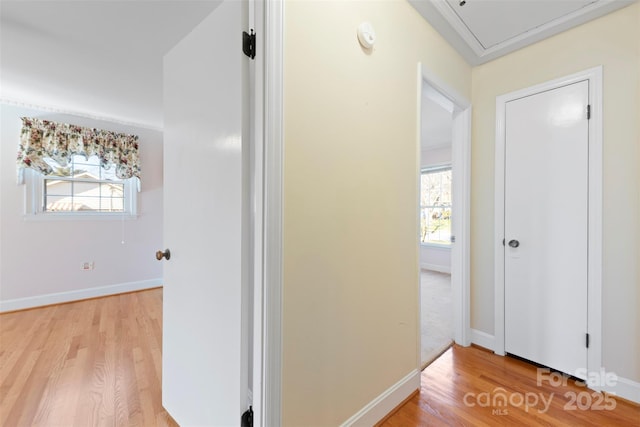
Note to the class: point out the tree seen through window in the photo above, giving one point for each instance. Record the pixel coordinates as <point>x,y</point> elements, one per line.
<point>435,206</point>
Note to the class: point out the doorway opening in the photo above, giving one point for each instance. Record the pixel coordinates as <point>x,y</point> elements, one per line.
<point>444,120</point>
<point>436,319</point>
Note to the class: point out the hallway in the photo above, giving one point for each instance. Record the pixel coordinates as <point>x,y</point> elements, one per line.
<point>471,386</point>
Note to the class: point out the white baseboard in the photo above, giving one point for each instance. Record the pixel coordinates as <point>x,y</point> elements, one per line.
<point>625,388</point>
<point>80,294</point>
<point>436,267</point>
<point>382,405</point>
<point>482,339</point>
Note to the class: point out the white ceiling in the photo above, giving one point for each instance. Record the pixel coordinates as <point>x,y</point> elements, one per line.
<point>483,30</point>
<point>437,120</point>
<point>103,57</point>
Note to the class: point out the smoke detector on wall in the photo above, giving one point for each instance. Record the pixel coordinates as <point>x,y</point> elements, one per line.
<point>366,35</point>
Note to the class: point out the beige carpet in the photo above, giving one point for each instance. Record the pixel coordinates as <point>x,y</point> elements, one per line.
<point>436,313</point>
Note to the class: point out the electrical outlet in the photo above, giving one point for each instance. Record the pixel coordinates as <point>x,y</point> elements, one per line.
<point>87,266</point>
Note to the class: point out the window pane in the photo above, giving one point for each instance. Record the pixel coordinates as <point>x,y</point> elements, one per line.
<point>112,190</point>
<point>435,213</point>
<point>86,171</point>
<point>112,204</point>
<point>58,170</point>
<point>86,168</point>
<point>55,187</point>
<point>424,189</point>
<point>60,204</point>
<point>79,193</point>
<point>110,174</point>
<point>89,189</point>
<point>436,225</point>
<point>446,187</point>
<point>86,203</point>
<point>424,225</point>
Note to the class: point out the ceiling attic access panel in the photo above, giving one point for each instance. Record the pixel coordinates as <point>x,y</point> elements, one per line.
<point>515,17</point>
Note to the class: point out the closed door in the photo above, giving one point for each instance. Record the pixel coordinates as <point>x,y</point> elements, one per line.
<point>203,359</point>
<point>546,189</point>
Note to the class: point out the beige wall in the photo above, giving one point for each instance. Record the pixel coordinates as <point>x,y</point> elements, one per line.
<point>614,42</point>
<point>350,248</point>
<point>350,211</point>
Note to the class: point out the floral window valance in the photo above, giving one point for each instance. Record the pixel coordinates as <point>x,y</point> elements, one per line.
<point>40,139</point>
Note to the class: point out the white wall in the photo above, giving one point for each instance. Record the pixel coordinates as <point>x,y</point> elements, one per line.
<point>40,259</point>
<point>437,258</point>
<point>435,156</point>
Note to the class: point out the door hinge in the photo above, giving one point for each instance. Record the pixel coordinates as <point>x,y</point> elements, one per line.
<point>587,340</point>
<point>588,112</point>
<point>247,418</point>
<point>249,44</point>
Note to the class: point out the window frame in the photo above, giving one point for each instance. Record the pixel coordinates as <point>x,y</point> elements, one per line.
<point>434,169</point>
<point>34,201</point>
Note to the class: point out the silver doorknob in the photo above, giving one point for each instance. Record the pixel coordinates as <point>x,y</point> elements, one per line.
<point>166,254</point>
<point>514,243</point>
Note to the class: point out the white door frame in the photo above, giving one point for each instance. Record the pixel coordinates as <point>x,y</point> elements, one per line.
<point>594,274</point>
<point>268,164</point>
<point>256,177</point>
<point>461,176</point>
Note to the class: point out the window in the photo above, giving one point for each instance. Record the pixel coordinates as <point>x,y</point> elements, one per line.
<point>83,185</point>
<point>435,205</point>
<point>81,189</point>
<point>72,170</point>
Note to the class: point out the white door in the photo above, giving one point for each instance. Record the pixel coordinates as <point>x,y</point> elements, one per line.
<point>546,188</point>
<point>203,357</point>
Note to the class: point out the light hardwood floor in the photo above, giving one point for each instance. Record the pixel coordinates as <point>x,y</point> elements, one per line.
<point>98,363</point>
<point>463,388</point>
<point>89,363</point>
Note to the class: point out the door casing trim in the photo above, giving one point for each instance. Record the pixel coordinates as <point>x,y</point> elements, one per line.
<point>461,167</point>
<point>594,260</point>
<point>269,338</point>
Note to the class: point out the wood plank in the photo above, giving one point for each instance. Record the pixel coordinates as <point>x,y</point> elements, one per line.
<point>98,362</point>
<point>88,363</point>
<point>463,388</point>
